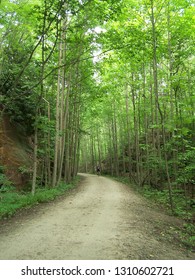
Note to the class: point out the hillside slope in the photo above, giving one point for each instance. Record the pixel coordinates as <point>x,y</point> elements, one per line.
<point>15,153</point>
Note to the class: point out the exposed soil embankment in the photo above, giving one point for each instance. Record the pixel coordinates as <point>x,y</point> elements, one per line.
<point>15,153</point>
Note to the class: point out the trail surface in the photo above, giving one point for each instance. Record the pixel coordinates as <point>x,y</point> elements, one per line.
<point>101,219</point>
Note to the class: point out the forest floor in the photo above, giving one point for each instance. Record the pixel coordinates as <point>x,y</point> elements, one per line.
<point>101,219</point>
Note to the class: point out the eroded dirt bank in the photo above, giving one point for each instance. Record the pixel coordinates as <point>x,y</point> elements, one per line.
<point>102,219</point>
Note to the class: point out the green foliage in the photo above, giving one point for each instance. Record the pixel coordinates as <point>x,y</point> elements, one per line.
<point>188,235</point>
<point>187,167</point>
<point>118,109</point>
<point>181,203</point>
<point>5,183</point>
<point>11,201</point>
<point>23,169</point>
<point>183,208</point>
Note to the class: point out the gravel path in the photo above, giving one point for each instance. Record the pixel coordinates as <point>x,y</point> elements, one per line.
<point>101,219</point>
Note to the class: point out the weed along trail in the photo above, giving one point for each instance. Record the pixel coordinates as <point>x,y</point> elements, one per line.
<point>101,219</point>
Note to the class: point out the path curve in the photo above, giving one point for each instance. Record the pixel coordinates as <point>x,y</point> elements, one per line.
<point>102,219</point>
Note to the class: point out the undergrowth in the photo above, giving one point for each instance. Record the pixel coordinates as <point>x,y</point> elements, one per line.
<point>11,200</point>
<point>182,208</point>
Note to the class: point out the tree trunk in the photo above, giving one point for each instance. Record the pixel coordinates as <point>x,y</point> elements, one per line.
<point>57,120</point>
<point>155,77</point>
<point>35,159</point>
<point>136,125</point>
<point>128,133</point>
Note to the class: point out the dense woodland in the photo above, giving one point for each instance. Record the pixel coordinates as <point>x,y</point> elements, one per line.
<point>108,83</point>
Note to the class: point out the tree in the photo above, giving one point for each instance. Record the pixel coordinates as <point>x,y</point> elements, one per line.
<point>105,83</point>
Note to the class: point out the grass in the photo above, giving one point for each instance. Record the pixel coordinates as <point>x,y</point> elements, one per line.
<point>182,208</point>
<point>11,201</point>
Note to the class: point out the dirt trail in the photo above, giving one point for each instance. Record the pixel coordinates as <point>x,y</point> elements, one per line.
<point>102,219</point>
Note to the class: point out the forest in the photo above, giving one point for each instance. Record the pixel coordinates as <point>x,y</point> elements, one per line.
<point>102,83</point>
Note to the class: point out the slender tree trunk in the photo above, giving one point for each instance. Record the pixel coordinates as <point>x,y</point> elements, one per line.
<point>47,148</point>
<point>170,90</point>
<point>155,77</point>
<point>99,149</point>
<point>76,134</point>
<point>67,152</point>
<point>35,159</point>
<point>167,168</point>
<point>146,122</point>
<point>39,99</point>
<point>128,133</point>
<point>57,120</point>
<point>136,125</point>
<point>110,151</point>
<point>92,155</point>
<point>115,142</point>
<point>64,128</point>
